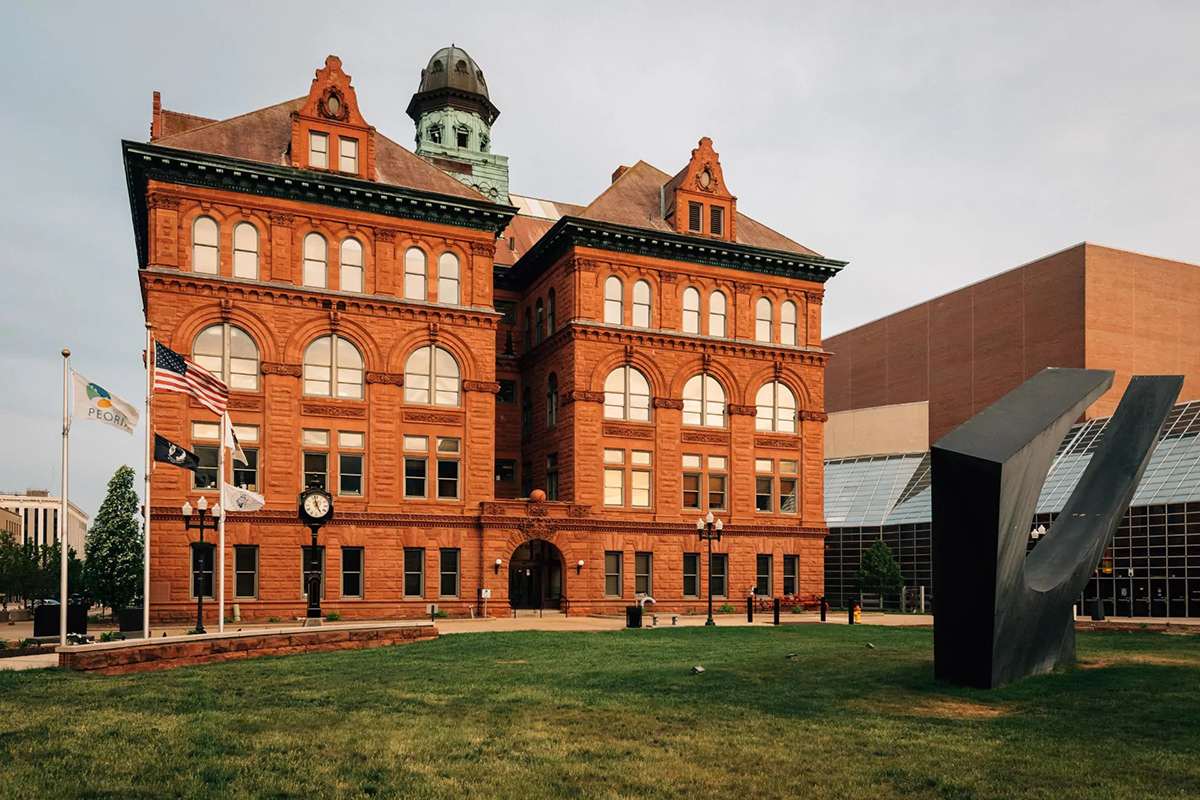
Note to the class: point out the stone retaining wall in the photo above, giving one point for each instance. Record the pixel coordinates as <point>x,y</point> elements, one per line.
<point>114,658</point>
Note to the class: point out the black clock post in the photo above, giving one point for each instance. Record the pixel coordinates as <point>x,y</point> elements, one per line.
<point>316,509</point>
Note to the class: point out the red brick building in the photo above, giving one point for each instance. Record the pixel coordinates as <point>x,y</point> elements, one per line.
<point>438,354</point>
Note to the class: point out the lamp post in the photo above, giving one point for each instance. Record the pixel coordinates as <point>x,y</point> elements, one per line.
<point>708,530</point>
<point>197,573</point>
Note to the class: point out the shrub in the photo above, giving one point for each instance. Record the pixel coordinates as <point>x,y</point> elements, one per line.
<point>441,613</point>
<point>3,644</point>
<point>797,610</point>
<point>25,644</point>
<point>272,619</point>
<point>93,617</point>
<point>332,616</point>
<point>112,636</point>
<point>727,608</point>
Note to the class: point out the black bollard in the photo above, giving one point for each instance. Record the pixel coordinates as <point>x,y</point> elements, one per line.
<point>1098,610</point>
<point>776,610</point>
<point>851,612</point>
<point>750,608</point>
<point>824,607</point>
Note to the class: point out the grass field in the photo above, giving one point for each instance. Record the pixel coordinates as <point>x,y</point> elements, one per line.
<point>615,715</point>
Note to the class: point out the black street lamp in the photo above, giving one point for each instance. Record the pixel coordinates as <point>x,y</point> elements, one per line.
<point>708,530</point>
<point>197,572</point>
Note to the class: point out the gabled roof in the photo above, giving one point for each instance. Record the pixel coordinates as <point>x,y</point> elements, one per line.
<point>265,136</point>
<point>636,199</point>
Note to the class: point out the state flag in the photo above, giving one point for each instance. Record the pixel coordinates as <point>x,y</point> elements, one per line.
<point>235,498</point>
<point>176,373</point>
<point>231,441</point>
<point>168,452</point>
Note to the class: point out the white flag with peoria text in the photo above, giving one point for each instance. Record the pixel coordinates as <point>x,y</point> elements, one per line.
<point>93,401</point>
<point>236,499</point>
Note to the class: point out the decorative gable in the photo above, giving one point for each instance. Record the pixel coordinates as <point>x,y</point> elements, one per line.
<point>697,201</point>
<point>328,131</point>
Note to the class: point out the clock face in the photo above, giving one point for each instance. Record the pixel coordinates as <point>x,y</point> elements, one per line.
<point>316,505</point>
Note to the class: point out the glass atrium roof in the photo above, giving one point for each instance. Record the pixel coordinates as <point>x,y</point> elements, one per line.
<point>895,489</point>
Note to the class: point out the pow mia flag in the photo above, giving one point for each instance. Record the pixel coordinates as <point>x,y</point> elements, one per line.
<point>168,452</point>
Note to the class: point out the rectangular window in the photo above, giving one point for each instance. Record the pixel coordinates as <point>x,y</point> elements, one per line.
<point>508,313</point>
<point>462,138</point>
<point>352,572</point>
<point>614,486</point>
<point>762,580</point>
<point>447,488</point>
<point>416,444</point>
<point>716,220</point>
<point>764,496</point>
<point>791,574</point>
<point>718,575</point>
<point>506,470</point>
<point>526,479</point>
<point>245,572</point>
<point>507,393</point>
<point>612,574</point>
<point>205,476</point>
<point>246,475</point>
<point>694,212</point>
<point>691,490</point>
<point>348,155</point>
<point>306,569</point>
<point>350,474</point>
<point>643,573</point>
<point>314,438</point>
<point>639,488</point>
<point>316,470</point>
<point>415,477</point>
<point>716,491</point>
<point>208,430</point>
<point>448,585</point>
<point>552,476</point>
<point>414,572</point>
<point>788,495</point>
<point>614,456</point>
<point>203,559</point>
<point>318,150</point>
<point>691,574</point>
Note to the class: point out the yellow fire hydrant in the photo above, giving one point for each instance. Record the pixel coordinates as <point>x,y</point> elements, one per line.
<point>857,615</point>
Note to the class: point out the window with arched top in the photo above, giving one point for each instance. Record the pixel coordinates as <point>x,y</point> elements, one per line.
<point>764,320</point>
<point>526,412</point>
<point>551,313</point>
<point>239,370</point>
<point>552,401</point>
<point>716,314</point>
<point>415,266</point>
<point>627,395</point>
<point>641,304</point>
<point>528,330</point>
<point>448,279</point>
<point>432,377</point>
<point>787,324</point>
<point>333,367</point>
<point>245,251</point>
<point>614,301</point>
<point>206,247</point>
<point>691,310</point>
<point>776,409</point>
<point>316,261</point>
<point>539,321</point>
<point>351,277</point>
<point>704,402</point>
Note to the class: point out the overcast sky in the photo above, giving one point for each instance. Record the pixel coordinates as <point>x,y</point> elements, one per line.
<point>929,144</point>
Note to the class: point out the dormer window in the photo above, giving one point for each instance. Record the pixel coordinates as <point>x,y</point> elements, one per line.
<point>348,155</point>
<point>716,220</point>
<point>694,213</point>
<point>318,150</point>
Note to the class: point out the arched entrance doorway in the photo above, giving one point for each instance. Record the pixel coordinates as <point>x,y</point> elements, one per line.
<point>535,576</point>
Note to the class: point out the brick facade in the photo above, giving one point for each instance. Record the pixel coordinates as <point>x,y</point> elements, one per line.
<point>488,520</point>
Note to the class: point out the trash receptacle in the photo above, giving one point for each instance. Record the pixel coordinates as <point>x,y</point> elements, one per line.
<point>129,620</point>
<point>633,616</point>
<point>77,617</point>
<point>45,620</point>
<point>1097,609</point>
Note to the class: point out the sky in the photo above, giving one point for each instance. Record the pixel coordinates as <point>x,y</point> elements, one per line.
<point>929,144</point>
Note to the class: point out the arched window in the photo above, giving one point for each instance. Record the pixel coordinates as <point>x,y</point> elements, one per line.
<point>691,310</point>
<point>431,377</point>
<point>528,330</point>
<point>716,314</point>
<point>333,367</point>
<point>627,395</point>
<point>551,313</point>
<point>787,324</point>
<point>206,249</point>
<point>539,321</point>
<point>704,402</point>
<point>526,412</point>
<point>245,251</point>
<point>641,304</point>
<point>316,261</point>
<point>614,301</point>
<point>764,320</point>
<point>448,282</point>
<point>552,401</point>
<point>414,274</point>
<point>240,370</point>
<point>351,278</point>
<point>776,409</point>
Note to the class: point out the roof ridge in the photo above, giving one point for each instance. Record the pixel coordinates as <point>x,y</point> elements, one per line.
<point>230,119</point>
<point>186,114</point>
<point>426,166</point>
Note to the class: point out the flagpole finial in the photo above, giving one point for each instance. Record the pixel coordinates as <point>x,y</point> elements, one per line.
<point>66,353</point>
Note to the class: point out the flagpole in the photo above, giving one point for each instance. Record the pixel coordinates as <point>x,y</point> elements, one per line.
<point>62,525</point>
<point>221,527</point>
<point>146,491</point>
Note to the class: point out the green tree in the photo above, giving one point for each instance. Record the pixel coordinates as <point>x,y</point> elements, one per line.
<point>879,573</point>
<point>10,566</point>
<point>113,563</point>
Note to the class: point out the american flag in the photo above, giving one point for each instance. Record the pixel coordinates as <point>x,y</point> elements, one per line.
<point>176,373</point>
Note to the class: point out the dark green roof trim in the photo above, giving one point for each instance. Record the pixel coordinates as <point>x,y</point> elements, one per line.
<point>573,231</point>
<point>145,162</point>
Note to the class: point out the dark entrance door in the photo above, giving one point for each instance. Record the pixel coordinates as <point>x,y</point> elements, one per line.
<point>535,576</point>
<point>525,587</point>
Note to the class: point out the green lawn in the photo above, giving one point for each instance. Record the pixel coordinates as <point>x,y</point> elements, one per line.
<point>615,715</point>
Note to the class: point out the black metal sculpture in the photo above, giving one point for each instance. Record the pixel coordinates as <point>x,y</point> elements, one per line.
<point>1001,616</point>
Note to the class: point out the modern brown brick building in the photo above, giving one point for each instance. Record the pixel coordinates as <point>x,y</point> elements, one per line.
<point>440,354</point>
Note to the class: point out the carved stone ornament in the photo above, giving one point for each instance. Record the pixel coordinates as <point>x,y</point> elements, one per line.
<point>744,287</point>
<point>814,416</point>
<point>628,432</point>
<point>337,109</point>
<point>226,309</point>
<point>245,403</point>
<point>433,417</point>
<point>433,331</point>
<point>537,529</point>
<point>816,298</point>
<point>492,510</point>
<point>696,437</point>
<point>388,378</point>
<point>282,219</point>
<point>582,396</point>
<point>385,235</point>
<point>537,510</point>
<point>778,444</point>
<point>668,402</point>
<point>580,265</point>
<point>160,200</point>
<point>668,277</point>
<point>735,410</point>
<point>484,249</point>
<point>491,387</point>
<point>330,410</point>
<point>335,320</point>
<point>290,370</point>
<point>578,512</point>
